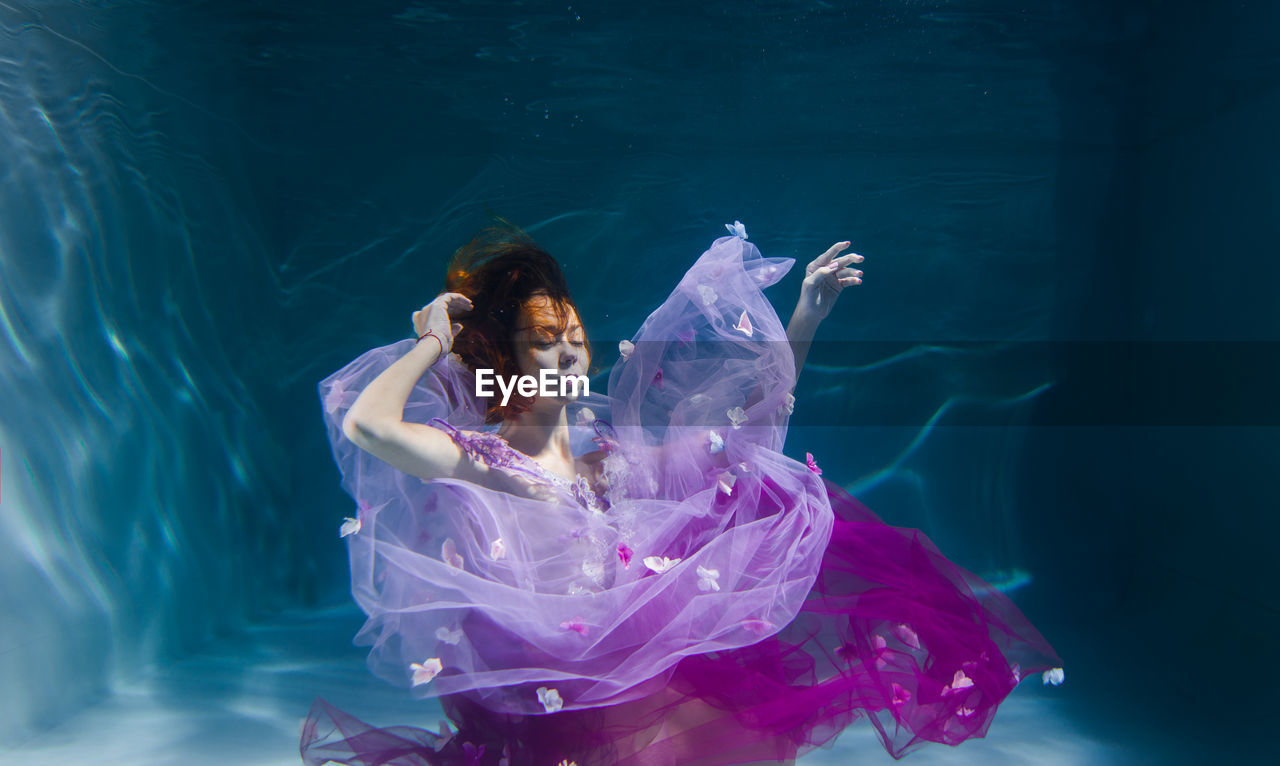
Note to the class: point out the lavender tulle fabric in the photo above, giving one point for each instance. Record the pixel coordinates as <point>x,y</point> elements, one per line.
<point>711,602</point>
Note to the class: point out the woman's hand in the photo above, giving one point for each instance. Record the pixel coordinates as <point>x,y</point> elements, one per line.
<point>435,317</point>
<point>825,278</point>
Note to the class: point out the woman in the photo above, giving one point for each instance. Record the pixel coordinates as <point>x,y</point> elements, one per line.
<point>639,577</point>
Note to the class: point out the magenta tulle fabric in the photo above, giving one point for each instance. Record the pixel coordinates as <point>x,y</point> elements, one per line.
<point>718,603</point>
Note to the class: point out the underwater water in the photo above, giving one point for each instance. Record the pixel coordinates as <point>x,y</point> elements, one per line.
<point>1061,364</point>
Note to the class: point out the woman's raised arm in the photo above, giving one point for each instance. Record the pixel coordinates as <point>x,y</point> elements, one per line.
<point>375,421</point>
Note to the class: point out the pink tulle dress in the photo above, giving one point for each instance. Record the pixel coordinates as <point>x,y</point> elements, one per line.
<point>711,601</point>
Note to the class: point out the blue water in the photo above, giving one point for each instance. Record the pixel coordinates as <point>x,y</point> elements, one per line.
<point>1060,365</point>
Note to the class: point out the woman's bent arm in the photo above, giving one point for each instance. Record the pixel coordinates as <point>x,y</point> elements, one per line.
<point>375,421</point>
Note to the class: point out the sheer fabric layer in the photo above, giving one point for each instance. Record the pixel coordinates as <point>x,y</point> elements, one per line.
<point>713,599</point>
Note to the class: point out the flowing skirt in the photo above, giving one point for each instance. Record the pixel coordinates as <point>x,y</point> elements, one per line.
<point>892,631</point>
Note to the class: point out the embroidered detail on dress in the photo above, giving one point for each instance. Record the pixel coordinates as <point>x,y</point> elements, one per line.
<point>493,451</point>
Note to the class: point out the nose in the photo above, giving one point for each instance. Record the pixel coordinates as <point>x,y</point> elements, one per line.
<point>568,355</point>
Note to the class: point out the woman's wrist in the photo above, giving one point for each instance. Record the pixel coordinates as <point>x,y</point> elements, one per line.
<point>436,348</point>
<point>803,325</point>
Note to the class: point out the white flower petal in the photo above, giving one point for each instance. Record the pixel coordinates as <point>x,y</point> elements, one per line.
<point>497,549</point>
<point>737,229</point>
<point>709,579</point>
<point>422,674</point>
<point>625,348</point>
<point>737,416</point>
<point>1054,676</point>
<point>717,442</point>
<point>550,699</point>
<point>349,527</point>
<point>660,564</point>
<point>449,554</point>
<point>708,295</point>
<point>451,637</point>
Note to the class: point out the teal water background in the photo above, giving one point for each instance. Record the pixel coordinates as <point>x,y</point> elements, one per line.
<point>1068,211</point>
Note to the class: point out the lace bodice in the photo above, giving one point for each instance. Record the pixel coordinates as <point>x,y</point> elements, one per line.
<point>495,452</point>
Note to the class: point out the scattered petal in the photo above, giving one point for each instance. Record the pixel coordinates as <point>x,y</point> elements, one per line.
<point>708,579</point>
<point>333,398</point>
<point>567,762</point>
<point>708,295</point>
<point>422,674</point>
<point>1017,673</point>
<point>1054,676</point>
<point>961,681</point>
<point>625,553</point>
<point>449,554</point>
<point>349,527</point>
<point>550,699</point>
<point>586,417</point>
<point>965,712</point>
<point>660,564</point>
<point>758,626</point>
<point>813,464</point>
<point>717,442</point>
<point>576,624</point>
<point>657,379</point>
<point>725,482</point>
<point>908,636</point>
<point>497,549</point>
<point>737,229</point>
<point>788,403</point>
<point>450,637</point>
<point>900,695</point>
<point>625,348</point>
<point>744,325</point>
<point>737,416</point>
<point>878,642</point>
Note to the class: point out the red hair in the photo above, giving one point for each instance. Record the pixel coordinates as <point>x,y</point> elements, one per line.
<point>500,270</point>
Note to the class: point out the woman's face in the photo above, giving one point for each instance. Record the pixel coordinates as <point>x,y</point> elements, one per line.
<point>539,346</point>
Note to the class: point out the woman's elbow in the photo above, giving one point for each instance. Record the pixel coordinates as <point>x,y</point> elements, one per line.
<point>357,431</point>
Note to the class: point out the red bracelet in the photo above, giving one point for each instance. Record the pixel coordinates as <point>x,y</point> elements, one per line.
<point>433,335</point>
